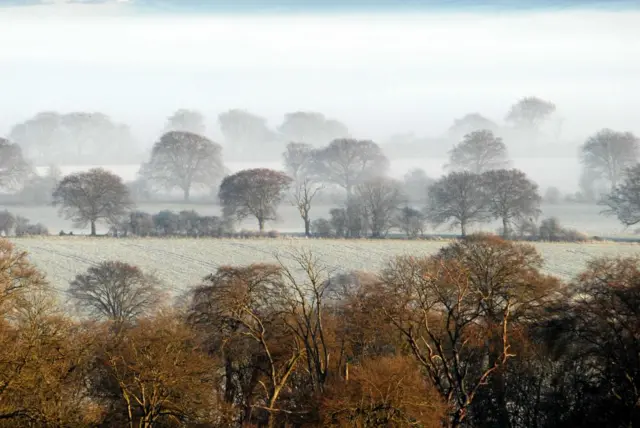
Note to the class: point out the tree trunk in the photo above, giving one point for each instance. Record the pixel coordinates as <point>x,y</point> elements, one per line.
<point>307,227</point>
<point>261,224</point>
<point>187,192</point>
<point>505,228</point>
<point>463,228</point>
<point>93,228</point>
<point>271,422</point>
<point>457,418</point>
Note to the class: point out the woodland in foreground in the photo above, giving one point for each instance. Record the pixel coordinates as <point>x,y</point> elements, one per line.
<point>474,336</point>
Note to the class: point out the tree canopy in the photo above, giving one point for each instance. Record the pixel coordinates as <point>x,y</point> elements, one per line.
<point>607,153</point>
<point>87,197</point>
<point>14,169</point>
<point>348,162</point>
<point>256,192</point>
<point>479,151</point>
<point>183,159</point>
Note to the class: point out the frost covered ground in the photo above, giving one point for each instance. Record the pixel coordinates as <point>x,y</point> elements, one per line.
<point>183,262</point>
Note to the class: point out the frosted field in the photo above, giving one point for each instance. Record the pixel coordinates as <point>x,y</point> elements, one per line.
<point>183,262</point>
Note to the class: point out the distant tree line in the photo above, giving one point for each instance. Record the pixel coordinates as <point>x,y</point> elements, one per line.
<point>476,335</point>
<point>479,186</point>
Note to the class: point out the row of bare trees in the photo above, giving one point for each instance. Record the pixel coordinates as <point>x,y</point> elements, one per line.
<point>478,164</point>
<point>474,336</point>
<point>78,137</point>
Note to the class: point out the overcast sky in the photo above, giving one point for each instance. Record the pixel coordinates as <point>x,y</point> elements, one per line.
<point>380,73</point>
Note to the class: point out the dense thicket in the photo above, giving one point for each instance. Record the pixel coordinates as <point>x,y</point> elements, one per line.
<point>473,336</point>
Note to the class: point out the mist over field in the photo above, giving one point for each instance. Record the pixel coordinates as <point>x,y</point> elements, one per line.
<point>398,78</point>
<point>319,213</point>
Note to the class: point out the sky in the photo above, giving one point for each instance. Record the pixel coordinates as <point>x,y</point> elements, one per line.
<point>379,67</point>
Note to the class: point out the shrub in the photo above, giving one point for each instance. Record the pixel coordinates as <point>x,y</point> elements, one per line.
<point>411,222</point>
<point>7,222</point>
<point>551,230</point>
<point>24,227</point>
<point>321,228</point>
<point>552,195</point>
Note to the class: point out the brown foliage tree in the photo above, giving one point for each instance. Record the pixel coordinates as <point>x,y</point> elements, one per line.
<point>87,197</point>
<point>18,277</point>
<point>162,374</point>
<point>243,303</point>
<point>456,311</point>
<point>255,192</point>
<point>386,391</point>
<point>183,159</point>
<point>43,355</point>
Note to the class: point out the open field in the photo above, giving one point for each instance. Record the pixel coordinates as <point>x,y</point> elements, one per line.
<point>183,262</point>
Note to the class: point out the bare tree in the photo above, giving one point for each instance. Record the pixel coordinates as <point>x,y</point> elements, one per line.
<point>14,169</point>
<point>244,302</point>
<point>381,198</point>
<point>348,162</point>
<point>605,322</point>
<point>608,153</point>
<point>478,152</point>
<point>458,311</point>
<point>182,159</point>
<point>511,196</point>
<point>416,185</point>
<point>243,130</point>
<point>624,200</point>
<point>530,112</point>
<point>75,136</point>
<point>303,298</point>
<point>458,198</point>
<point>311,128</point>
<point>298,159</point>
<point>115,291</point>
<point>87,197</point>
<point>187,121</point>
<point>255,192</point>
<point>471,122</point>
